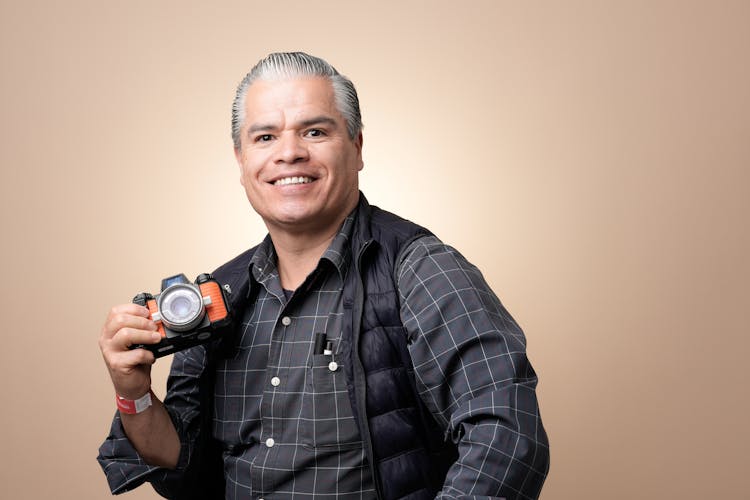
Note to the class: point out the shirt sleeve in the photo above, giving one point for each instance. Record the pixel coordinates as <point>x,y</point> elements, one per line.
<point>469,357</point>
<point>124,468</point>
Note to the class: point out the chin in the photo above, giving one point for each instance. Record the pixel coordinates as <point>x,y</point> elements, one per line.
<point>293,218</point>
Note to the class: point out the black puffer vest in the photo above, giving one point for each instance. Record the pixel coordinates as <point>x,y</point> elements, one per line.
<point>401,437</point>
<point>405,448</point>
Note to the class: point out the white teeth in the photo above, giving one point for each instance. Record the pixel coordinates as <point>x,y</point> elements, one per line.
<point>292,180</point>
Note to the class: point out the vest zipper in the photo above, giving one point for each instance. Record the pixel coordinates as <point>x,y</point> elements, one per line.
<point>360,381</point>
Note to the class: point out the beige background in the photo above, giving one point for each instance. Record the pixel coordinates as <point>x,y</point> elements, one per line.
<point>592,158</point>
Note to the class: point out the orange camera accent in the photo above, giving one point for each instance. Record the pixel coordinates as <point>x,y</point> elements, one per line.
<point>151,304</point>
<point>218,309</point>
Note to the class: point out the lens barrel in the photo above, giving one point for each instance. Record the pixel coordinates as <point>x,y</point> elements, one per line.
<point>181,307</point>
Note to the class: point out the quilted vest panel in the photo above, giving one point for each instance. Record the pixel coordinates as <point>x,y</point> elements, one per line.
<point>411,459</point>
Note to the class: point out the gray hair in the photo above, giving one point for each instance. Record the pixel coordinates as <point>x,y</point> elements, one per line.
<point>280,65</point>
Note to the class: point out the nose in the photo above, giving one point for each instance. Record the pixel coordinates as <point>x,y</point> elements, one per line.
<point>291,148</point>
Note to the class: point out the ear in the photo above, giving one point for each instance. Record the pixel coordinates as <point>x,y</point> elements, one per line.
<point>358,144</point>
<point>238,157</point>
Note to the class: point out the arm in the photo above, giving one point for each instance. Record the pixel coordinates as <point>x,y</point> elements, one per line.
<point>149,445</point>
<point>470,362</point>
<point>153,435</point>
<point>151,432</point>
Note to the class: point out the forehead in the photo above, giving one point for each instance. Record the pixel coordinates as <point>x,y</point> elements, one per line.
<point>289,99</point>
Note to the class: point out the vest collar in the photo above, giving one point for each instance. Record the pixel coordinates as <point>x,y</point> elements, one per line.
<point>362,236</point>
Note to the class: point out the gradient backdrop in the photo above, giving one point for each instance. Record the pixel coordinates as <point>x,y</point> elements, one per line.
<point>592,158</point>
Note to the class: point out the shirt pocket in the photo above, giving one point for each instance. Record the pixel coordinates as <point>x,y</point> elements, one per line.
<point>327,418</point>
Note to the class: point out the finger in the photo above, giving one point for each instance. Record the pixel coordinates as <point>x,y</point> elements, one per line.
<point>126,337</point>
<point>128,369</point>
<point>119,320</point>
<point>130,308</point>
<point>126,361</point>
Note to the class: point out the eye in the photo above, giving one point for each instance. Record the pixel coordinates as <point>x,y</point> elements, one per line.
<point>314,132</point>
<point>263,138</point>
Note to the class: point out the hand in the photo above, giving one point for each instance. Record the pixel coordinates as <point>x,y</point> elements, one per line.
<point>130,369</point>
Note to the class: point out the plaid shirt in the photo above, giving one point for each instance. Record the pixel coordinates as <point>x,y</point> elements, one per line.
<point>281,410</point>
<point>469,357</point>
<point>284,417</point>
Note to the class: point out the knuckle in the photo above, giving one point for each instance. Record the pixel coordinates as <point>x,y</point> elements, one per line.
<point>121,334</point>
<point>121,341</point>
<point>116,365</point>
<point>145,357</point>
<point>113,313</point>
<point>118,321</point>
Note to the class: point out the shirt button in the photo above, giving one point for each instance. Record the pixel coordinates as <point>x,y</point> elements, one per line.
<point>270,442</point>
<point>275,381</point>
<point>286,321</point>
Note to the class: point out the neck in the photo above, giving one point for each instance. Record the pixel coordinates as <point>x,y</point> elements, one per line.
<point>298,254</point>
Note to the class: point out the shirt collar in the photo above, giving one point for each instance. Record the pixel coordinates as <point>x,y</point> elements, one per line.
<point>339,251</point>
<point>263,263</point>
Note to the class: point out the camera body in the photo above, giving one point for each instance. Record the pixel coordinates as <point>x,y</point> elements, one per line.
<point>187,314</point>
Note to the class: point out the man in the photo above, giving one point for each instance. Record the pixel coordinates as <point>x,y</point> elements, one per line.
<point>420,388</point>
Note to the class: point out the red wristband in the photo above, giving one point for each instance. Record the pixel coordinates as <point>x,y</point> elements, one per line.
<point>133,406</point>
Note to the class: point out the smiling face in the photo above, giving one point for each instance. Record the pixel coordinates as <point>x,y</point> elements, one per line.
<point>298,165</point>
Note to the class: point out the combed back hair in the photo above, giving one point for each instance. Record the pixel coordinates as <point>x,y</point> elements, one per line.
<point>284,65</point>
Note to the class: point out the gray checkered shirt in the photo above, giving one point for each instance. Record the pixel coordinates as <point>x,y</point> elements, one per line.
<point>282,411</point>
<point>285,417</point>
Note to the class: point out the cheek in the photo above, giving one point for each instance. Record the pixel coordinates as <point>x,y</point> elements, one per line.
<point>248,173</point>
<point>245,178</point>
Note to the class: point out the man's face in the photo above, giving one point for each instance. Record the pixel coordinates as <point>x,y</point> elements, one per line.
<point>298,165</point>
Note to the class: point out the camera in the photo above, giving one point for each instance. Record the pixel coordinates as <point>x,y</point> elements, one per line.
<point>186,314</point>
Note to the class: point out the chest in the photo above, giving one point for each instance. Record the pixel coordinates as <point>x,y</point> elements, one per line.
<point>286,374</point>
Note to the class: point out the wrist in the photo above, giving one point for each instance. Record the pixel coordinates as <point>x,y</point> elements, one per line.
<point>134,406</point>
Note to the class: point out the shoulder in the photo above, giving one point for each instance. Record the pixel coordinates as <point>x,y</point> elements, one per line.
<point>429,247</point>
<point>428,262</point>
<point>384,224</point>
<point>234,276</point>
<point>229,271</point>
<point>393,234</point>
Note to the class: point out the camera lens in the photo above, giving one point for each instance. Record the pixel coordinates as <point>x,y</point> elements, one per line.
<point>181,307</point>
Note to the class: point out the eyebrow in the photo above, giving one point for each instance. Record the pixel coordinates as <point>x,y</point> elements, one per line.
<point>258,127</point>
<point>317,120</point>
